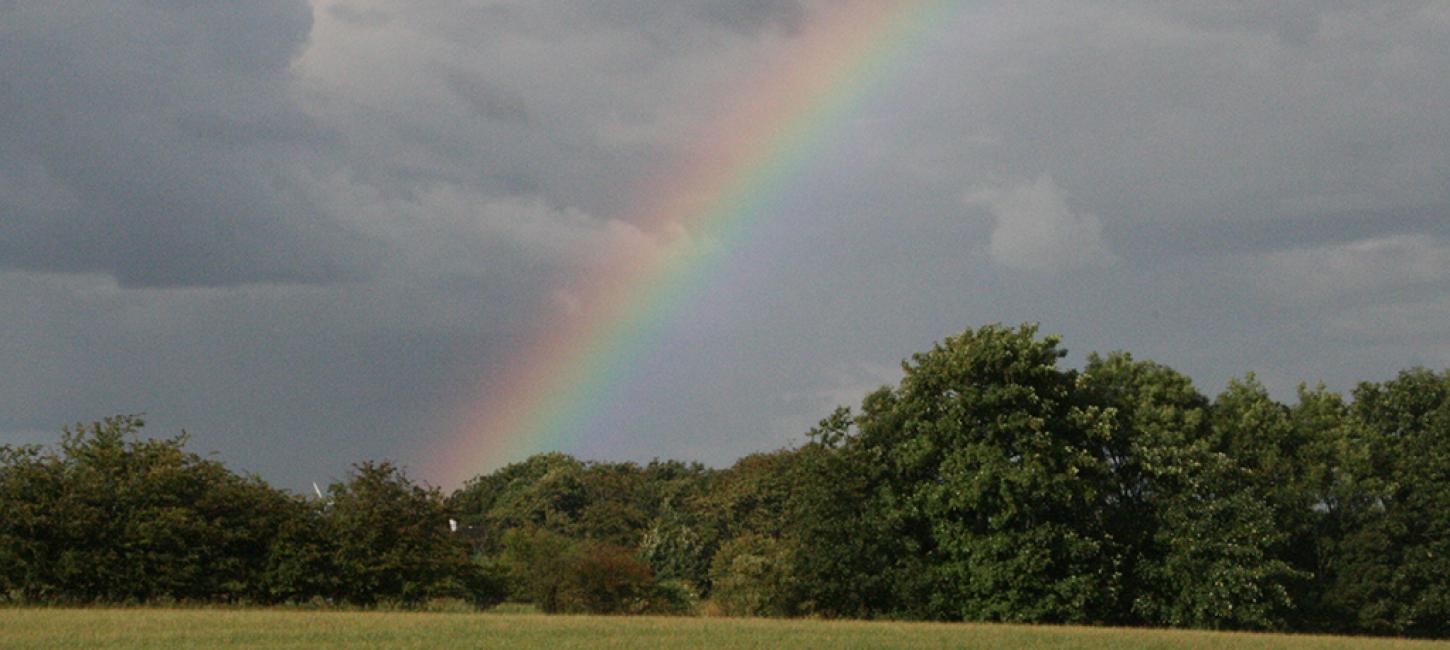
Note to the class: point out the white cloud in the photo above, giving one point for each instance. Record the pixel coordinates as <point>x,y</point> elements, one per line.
<point>1368,265</point>
<point>1036,230</point>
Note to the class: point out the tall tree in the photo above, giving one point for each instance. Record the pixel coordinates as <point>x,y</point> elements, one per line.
<point>391,539</point>
<point>1393,561</point>
<point>1200,543</point>
<point>993,475</point>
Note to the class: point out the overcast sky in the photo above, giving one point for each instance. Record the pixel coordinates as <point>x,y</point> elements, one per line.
<point>307,232</point>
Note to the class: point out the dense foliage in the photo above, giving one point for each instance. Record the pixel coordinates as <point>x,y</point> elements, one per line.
<point>115,519</point>
<point>989,484</point>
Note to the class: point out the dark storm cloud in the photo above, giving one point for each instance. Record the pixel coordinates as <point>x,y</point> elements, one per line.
<point>158,142</point>
<point>293,381</point>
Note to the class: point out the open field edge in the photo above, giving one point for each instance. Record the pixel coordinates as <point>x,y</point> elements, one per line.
<point>58,628</point>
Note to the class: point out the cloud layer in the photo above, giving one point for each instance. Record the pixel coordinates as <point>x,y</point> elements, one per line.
<point>308,232</point>
<point>161,144</point>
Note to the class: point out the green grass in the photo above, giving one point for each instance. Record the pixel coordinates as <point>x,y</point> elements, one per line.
<point>262,628</point>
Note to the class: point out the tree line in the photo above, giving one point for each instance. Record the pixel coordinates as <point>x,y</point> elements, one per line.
<point>109,517</point>
<point>989,484</point>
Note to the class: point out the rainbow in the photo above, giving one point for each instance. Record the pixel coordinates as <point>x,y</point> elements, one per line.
<point>743,162</point>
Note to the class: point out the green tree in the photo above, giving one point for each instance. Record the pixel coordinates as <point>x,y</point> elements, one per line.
<point>540,565</point>
<point>677,541</point>
<point>115,518</point>
<point>748,498</point>
<point>1198,537</point>
<point>301,562</point>
<point>391,539</point>
<point>1391,564</point>
<point>752,575</point>
<point>28,491</point>
<point>855,553</point>
<point>542,491</point>
<point>675,549</point>
<point>1333,457</point>
<point>991,477</point>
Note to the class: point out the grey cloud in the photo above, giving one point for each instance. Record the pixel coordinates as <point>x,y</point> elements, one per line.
<point>461,161</point>
<point>249,131</point>
<point>1155,121</point>
<point>750,15</point>
<point>1381,267</point>
<point>1296,22</point>
<point>574,102</point>
<point>487,101</point>
<point>295,382</point>
<point>737,15</point>
<point>171,133</point>
<point>358,16</point>
<point>664,27</point>
<point>1198,237</point>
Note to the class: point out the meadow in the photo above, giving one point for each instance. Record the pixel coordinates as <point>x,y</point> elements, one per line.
<point>56,629</point>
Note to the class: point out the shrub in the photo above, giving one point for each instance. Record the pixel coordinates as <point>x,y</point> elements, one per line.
<point>752,577</point>
<point>607,579</point>
<point>673,598</point>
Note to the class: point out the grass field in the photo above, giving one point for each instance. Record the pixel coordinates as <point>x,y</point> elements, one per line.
<point>200,628</point>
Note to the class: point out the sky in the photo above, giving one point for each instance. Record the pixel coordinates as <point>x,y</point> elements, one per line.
<point>313,233</point>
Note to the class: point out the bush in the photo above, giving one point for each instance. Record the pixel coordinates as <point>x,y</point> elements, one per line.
<point>537,563</point>
<point>114,518</point>
<point>673,598</point>
<point>607,579</point>
<point>559,574</point>
<point>752,576</point>
<point>486,584</point>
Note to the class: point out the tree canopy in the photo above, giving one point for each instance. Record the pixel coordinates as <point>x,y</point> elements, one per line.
<point>991,483</point>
